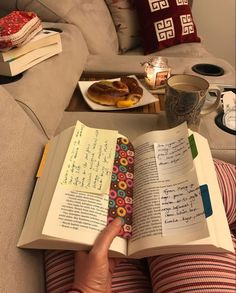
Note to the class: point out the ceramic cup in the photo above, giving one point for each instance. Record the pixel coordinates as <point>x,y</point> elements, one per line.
<point>185,100</point>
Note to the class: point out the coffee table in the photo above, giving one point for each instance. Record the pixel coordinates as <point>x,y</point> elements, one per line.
<point>146,118</point>
<point>77,102</point>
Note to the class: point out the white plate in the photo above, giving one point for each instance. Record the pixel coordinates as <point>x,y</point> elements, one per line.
<point>146,99</point>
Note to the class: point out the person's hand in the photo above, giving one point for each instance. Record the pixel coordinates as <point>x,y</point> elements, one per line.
<point>93,270</point>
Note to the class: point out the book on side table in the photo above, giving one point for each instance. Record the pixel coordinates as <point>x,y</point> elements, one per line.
<point>163,185</point>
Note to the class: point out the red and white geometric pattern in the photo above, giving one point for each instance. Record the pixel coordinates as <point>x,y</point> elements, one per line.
<point>165,29</point>
<point>181,2</point>
<point>187,24</point>
<point>156,5</point>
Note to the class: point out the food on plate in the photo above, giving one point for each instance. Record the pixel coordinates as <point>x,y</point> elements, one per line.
<point>107,92</point>
<point>134,88</point>
<point>128,102</point>
<point>120,93</point>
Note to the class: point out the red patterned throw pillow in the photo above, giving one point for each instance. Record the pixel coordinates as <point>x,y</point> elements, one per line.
<point>165,23</point>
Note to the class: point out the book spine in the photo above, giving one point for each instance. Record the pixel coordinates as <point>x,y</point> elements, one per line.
<point>42,40</point>
<point>17,66</point>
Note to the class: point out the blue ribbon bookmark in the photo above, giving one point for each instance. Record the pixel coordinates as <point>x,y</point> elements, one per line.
<point>206,200</point>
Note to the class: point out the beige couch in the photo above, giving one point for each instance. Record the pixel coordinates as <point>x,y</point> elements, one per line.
<point>32,108</point>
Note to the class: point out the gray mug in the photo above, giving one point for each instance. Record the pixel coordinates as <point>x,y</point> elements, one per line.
<point>185,99</point>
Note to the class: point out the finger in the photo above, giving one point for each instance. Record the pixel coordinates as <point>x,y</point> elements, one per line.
<point>106,237</point>
<point>80,257</point>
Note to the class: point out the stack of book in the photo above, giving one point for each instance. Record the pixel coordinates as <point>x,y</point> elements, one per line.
<point>16,60</point>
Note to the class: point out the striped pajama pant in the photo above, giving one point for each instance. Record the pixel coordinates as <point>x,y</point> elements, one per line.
<point>175,273</point>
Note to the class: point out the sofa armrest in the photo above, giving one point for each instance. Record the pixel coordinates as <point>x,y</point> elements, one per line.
<point>45,90</point>
<point>21,145</point>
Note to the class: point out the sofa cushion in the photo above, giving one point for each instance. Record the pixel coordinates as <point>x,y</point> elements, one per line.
<point>8,5</point>
<point>92,17</point>
<point>165,23</point>
<point>125,19</point>
<point>21,145</point>
<point>43,12</point>
<point>45,89</point>
<point>132,64</point>
<point>187,50</point>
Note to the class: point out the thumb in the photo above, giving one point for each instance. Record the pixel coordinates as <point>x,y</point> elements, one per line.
<point>106,237</point>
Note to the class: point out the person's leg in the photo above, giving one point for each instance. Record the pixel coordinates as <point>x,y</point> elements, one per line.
<point>131,276</point>
<point>208,272</point>
<point>59,270</point>
<point>193,273</point>
<point>226,175</point>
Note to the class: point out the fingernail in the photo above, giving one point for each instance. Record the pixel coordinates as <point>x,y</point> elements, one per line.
<point>118,221</point>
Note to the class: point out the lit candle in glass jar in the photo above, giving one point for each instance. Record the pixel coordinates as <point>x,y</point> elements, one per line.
<point>157,72</point>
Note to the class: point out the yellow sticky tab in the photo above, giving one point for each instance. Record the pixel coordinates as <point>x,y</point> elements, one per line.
<point>43,161</point>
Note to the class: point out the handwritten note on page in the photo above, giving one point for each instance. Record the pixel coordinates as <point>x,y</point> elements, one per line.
<point>181,205</point>
<point>173,158</point>
<point>89,160</point>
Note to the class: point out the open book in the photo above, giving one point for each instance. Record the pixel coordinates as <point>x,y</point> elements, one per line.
<point>170,203</point>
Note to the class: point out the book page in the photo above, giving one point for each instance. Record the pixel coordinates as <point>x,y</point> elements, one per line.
<point>79,204</point>
<point>158,211</point>
<point>181,205</point>
<point>89,160</point>
<point>75,214</point>
<point>173,158</point>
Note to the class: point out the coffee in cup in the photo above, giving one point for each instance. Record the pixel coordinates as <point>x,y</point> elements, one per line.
<point>185,99</point>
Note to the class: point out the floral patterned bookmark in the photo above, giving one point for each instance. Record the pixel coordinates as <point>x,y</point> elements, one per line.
<point>121,189</point>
